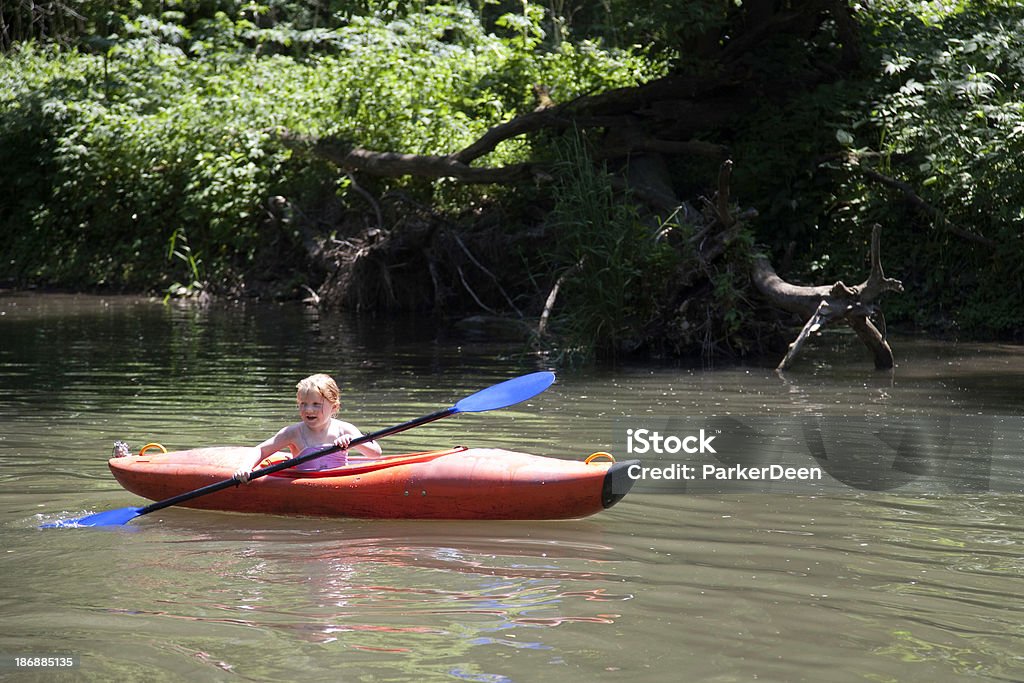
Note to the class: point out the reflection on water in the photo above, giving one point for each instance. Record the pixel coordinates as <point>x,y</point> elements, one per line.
<point>889,584</point>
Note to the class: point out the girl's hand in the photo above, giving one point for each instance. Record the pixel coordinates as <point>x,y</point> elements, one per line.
<point>242,476</point>
<point>343,441</point>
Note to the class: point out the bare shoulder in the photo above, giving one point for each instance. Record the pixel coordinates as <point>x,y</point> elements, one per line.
<point>284,438</point>
<point>286,434</point>
<point>345,427</point>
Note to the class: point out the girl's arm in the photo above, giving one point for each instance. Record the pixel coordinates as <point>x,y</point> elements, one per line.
<point>283,439</point>
<point>278,442</point>
<point>370,449</point>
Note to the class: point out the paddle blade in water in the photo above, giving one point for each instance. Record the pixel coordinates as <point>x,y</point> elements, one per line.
<point>506,393</point>
<point>108,518</point>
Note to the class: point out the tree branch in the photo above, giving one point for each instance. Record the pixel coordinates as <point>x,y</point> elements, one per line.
<point>918,202</point>
<point>392,164</point>
<point>520,125</point>
<point>824,303</point>
<point>877,283</point>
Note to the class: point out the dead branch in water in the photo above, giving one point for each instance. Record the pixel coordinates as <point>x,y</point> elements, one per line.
<point>838,302</point>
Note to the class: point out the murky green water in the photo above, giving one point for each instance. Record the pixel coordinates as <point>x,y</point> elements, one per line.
<point>852,585</point>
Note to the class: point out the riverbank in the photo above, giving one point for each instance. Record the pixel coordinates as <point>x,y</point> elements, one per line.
<point>184,156</point>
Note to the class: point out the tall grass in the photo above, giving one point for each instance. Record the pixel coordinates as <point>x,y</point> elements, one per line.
<point>614,270</point>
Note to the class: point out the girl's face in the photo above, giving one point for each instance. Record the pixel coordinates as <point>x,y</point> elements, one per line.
<point>314,409</point>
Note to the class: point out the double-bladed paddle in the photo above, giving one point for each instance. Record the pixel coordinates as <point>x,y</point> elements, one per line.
<point>500,395</point>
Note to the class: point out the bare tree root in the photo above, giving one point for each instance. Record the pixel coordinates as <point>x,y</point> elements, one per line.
<point>838,302</point>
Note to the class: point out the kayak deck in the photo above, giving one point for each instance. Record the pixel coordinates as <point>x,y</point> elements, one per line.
<point>455,483</point>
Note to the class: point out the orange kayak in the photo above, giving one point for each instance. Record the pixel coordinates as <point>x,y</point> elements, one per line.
<point>458,483</point>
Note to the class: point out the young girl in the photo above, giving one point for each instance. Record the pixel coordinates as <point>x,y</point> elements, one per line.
<point>319,401</point>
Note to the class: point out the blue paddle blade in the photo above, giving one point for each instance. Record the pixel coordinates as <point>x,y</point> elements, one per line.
<point>506,393</point>
<point>108,518</point>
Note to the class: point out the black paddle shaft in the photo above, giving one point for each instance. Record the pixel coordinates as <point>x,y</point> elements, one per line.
<point>292,462</point>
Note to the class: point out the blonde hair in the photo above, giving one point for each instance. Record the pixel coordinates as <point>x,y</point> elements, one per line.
<point>323,385</point>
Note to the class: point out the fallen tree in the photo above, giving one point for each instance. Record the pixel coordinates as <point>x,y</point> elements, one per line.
<point>838,302</point>
<point>631,133</point>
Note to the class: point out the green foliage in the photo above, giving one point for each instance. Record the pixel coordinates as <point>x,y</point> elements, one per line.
<point>194,281</point>
<point>616,270</point>
<point>671,29</point>
<point>169,124</point>
<point>132,148</point>
<point>127,125</point>
<point>939,108</point>
<point>947,118</point>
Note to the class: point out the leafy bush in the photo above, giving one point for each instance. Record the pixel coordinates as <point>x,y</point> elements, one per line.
<point>947,119</point>
<point>614,270</point>
<point>170,127</point>
<point>937,110</point>
<point>134,147</point>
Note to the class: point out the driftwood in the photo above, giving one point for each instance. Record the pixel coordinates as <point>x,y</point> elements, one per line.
<point>839,302</point>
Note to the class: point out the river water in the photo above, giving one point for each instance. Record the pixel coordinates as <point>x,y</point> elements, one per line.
<point>901,581</point>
